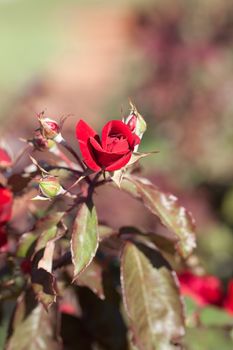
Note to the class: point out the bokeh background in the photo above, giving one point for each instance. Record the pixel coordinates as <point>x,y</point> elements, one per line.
<point>174,59</point>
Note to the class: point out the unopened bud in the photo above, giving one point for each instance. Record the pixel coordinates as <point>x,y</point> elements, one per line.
<point>5,159</point>
<point>41,143</point>
<point>49,128</point>
<point>50,187</point>
<point>136,122</point>
<point>132,122</point>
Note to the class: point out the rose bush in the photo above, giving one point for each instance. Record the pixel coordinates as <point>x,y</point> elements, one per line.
<point>113,151</point>
<point>61,253</point>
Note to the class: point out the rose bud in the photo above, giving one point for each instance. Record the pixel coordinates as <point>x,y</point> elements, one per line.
<point>136,122</point>
<point>49,127</point>
<point>41,143</point>
<point>6,201</point>
<point>50,187</point>
<point>132,121</point>
<point>113,151</point>
<point>5,159</point>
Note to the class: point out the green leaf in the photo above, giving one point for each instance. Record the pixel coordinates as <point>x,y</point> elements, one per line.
<point>46,229</point>
<point>151,299</point>
<point>165,206</point>
<point>92,278</point>
<point>105,232</point>
<point>84,241</point>
<point>36,332</point>
<point>213,316</point>
<point>50,230</point>
<point>25,243</point>
<point>208,339</point>
<point>48,222</point>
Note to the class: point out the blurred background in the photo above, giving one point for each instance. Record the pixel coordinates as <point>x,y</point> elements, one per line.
<point>174,59</point>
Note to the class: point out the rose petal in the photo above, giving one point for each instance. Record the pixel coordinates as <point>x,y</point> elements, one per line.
<point>83,134</point>
<point>116,145</point>
<point>99,148</point>
<point>105,159</point>
<point>120,163</point>
<point>117,127</point>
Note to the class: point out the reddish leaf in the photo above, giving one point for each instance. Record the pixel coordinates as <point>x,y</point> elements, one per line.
<point>165,206</point>
<point>84,241</point>
<point>152,301</point>
<point>92,278</point>
<point>35,332</point>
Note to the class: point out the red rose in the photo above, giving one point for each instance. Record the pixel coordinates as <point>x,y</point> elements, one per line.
<point>112,151</point>
<point>203,289</point>
<point>5,205</point>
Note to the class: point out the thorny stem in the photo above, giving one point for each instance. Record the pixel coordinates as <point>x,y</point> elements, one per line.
<point>92,186</point>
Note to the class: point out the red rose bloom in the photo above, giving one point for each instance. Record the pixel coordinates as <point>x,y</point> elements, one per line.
<point>203,289</point>
<point>112,151</point>
<point>5,205</point>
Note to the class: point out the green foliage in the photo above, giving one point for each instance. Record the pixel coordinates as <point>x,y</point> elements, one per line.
<point>154,308</point>
<point>166,207</point>
<point>36,331</point>
<point>84,242</point>
<point>208,339</point>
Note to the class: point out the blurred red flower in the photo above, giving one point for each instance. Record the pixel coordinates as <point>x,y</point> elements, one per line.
<point>113,151</point>
<point>204,290</point>
<point>6,201</point>
<point>67,308</point>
